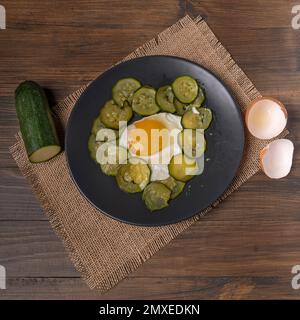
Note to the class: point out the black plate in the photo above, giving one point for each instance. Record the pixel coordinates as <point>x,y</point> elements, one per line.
<point>225,143</point>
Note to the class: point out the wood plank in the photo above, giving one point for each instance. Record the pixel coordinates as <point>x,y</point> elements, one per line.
<point>247,246</point>
<point>153,288</point>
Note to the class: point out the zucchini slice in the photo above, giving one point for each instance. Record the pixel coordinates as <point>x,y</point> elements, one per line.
<point>111,114</point>
<point>183,168</point>
<point>180,107</point>
<point>97,125</point>
<point>165,99</point>
<point>124,89</point>
<point>93,146</point>
<point>106,135</point>
<point>133,178</point>
<point>36,123</point>
<point>111,157</point>
<point>144,103</point>
<point>156,196</point>
<point>175,186</point>
<point>197,120</point>
<point>185,89</point>
<point>192,142</point>
<point>198,102</point>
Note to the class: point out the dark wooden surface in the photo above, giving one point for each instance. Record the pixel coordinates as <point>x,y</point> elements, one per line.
<point>247,246</point>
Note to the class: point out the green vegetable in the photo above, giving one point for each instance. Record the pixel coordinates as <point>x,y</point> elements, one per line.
<point>93,146</point>
<point>97,125</point>
<point>124,90</point>
<point>144,103</point>
<point>192,142</point>
<point>175,186</point>
<point>182,168</point>
<point>156,196</point>
<point>165,99</point>
<point>111,114</point>
<point>197,120</point>
<point>36,124</point>
<point>185,89</point>
<point>197,103</point>
<point>133,178</point>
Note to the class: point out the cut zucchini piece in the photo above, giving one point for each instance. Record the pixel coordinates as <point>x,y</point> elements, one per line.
<point>197,120</point>
<point>198,102</point>
<point>175,186</point>
<point>111,157</point>
<point>156,196</point>
<point>97,125</point>
<point>181,108</point>
<point>143,102</point>
<point>45,153</point>
<point>185,89</point>
<point>111,114</point>
<point>192,142</point>
<point>36,123</point>
<point>133,178</point>
<point>124,89</point>
<point>106,135</point>
<point>165,99</point>
<point>93,145</point>
<point>110,153</point>
<point>183,168</point>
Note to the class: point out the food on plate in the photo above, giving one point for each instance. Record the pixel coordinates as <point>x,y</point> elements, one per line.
<point>165,99</point>
<point>185,89</point>
<point>143,101</point>
<point>133,178</point>
<point>162,147</point>
<point>111,114</point>
<point>183,168</point>
<point>192,142</point>
<point>36,123</point>
<point>276,158</point>
<point>266,118</point>
<point>124,89</point>
<point>197,118</point>
<point>156,196</point>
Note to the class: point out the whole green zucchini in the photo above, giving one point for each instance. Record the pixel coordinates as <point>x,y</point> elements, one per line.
<point>36,124</point>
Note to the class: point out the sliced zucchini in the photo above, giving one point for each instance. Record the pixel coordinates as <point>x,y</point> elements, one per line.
<point>111,157</point>
<point>97,125</point>
<point>124,89</point>
<point>181,108</point>
<point>93,146</point>
<point>197,120</point>
<point>156,196</point>
<point>175,186</point>
<point>133,178</point>
<point>183,168</point>
<point>143,102</point>
<point>106,135</point>
<point>111,114</point>
<point>197,103</point>
<point>185,89</point>
<point>165,99</point>
<point>111,153</point>
<point>192,141</point>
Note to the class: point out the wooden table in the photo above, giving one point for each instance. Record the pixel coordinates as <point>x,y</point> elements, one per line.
<point>247,246</point>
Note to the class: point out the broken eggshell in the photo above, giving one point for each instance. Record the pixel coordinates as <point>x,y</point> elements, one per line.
<point>276,158</point>
<point>266,118</point>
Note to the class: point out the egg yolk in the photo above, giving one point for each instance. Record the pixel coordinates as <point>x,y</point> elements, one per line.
<point>149,138</point>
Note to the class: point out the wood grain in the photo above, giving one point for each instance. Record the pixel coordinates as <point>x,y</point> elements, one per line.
<point>247,246</point>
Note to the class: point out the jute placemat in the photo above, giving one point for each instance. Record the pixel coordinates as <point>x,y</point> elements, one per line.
<point>105,250</point>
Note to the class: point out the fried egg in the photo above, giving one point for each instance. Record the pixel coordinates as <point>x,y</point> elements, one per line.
<point>154,139</point>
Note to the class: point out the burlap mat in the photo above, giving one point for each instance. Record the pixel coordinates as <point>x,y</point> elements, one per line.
<point>105,250</point>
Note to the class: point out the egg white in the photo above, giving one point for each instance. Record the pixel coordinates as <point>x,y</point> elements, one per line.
<point>158,162</point>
